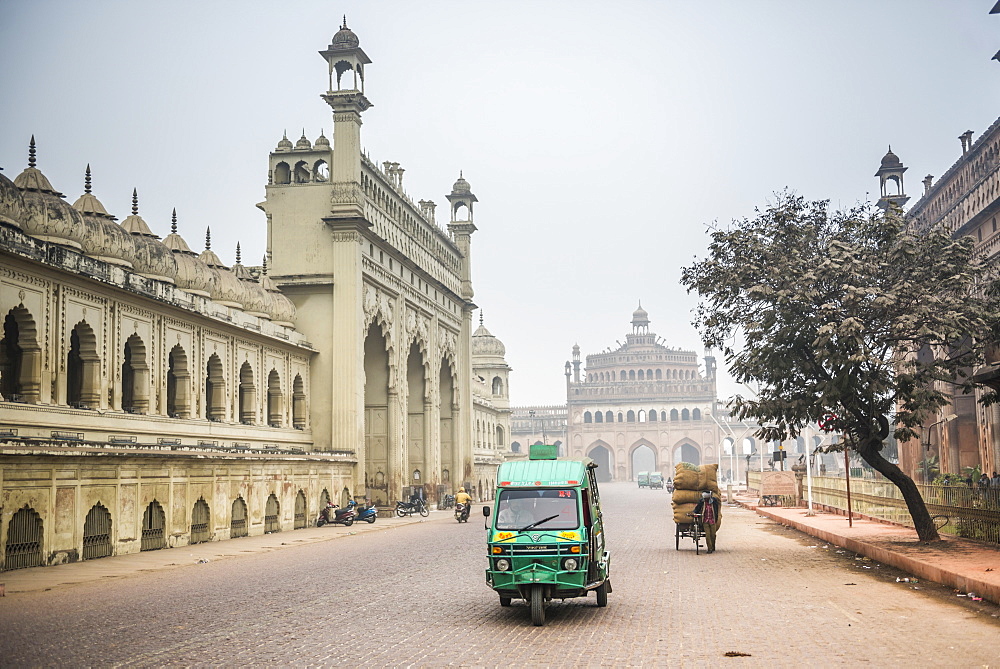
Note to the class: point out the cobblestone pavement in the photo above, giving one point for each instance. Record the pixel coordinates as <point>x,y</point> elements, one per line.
<point>416,596</point>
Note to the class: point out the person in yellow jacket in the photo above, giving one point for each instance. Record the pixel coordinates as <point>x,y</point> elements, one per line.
<point>463,501</point>
<point>463,497</point>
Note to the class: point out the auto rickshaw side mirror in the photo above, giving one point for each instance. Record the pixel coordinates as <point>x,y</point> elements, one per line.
<point>486,512</point>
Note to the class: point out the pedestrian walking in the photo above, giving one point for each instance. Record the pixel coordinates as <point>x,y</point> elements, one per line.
<point>984,482</point>
<point>707,509</point>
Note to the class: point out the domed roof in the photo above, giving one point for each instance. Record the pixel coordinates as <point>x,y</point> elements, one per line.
<point>639,316</point>
<point>193,275</point>
<point>284,144</point>
<point>890,159</point>
<point>282,308</point>
<point>322,141</point>
<point>258,300</point>
<point>302,143</point>
<point>46,215</point>
<point>11,203</point>
<point>345,39</point>
<point>227,290</point>
<point>104,239</point>
<point>153,259</point>
<point>485,344</point>
<point>461,186</point>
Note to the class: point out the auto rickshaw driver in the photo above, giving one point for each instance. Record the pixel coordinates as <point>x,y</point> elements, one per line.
<point>517,512</point>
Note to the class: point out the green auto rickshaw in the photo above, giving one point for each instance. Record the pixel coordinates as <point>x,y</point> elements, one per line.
<point>546,539</point>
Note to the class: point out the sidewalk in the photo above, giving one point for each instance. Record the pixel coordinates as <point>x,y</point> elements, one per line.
<point>46,578</point>
<point>968,566</point>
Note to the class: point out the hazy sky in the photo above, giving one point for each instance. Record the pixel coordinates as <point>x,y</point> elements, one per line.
<point>599,137</point>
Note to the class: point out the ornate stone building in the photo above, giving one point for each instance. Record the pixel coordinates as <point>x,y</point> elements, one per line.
<point>965,201</point>
<point>644,401</point>
<point>153,397</point>
<point>491,409</point>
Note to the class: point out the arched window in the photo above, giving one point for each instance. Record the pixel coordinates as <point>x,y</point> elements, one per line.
<point>24,540</point>
<point>83,369</point>
<point>609,417</point>
<point>300,510</point>
<point>598,417</point>
<point>321,171</point>
<point>238,522</point>
<point>298,403</point>
<point>696,414</point>
<point>178,384</point>
<point>500,436</point>
<point>631,375</point>
<point>649,374</point>
<point>621,417</point>
<point>201,530</point>
<point>282,173</point>
<point>153,522</point>
<point>624,376</point>
<point>20,358</point>
<point>630,416</point>
<point>497,385</point>
<point>215,390</point>
<point>685,414</point>
<point>301,173</point>
<point>673,414</point>
<point>97,533</point>
<point>587,417</point>
<point>271,511</point>
<point>515,447</point>
<point>652,416</point>
<point>275,400</point>
<point>135,377</point>
<point>642,375</point>
<point>659,374</point>
<point>248,395</point>
<point>641,416</point>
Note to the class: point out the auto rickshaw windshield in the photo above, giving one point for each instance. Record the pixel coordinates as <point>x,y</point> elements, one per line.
<point>517,509</point>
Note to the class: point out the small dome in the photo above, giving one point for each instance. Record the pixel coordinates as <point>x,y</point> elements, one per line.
<point>153,259</point>
<point>46,215</point>
<point>302,143</point>
<point>284,144</point>
<point>11,203</point>
<point>227,290</point>
<point>282,308</point>
<point>322,141</point>
<point>461,186</point>
<point>890,159</point>
<point>345,39</point>
<point>485,344</point>
<point>104,239</point>
<point>193,275</point>
<point>258,300</point>
<point>640,317</point>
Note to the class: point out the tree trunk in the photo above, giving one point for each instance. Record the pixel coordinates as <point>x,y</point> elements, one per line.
<point>911,495</point>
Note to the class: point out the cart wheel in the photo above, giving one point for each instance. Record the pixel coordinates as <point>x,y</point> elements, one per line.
<point>602,594</point>
<point>504,601</point>
<point>697,543</point>
<point>537,606</point>
<point>677,539</point>
<point>424,511</point>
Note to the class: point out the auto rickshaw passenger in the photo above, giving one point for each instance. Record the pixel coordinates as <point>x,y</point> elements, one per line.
<point>462,497</point>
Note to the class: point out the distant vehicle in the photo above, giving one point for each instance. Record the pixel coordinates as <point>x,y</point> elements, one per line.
<point>643,478</point>
<point>656,480</point>
<point>546,538</point>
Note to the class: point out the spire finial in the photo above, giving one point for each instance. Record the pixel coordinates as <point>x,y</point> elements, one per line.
<point>135,202</point>
<point>173,222</point>
<point>31,152</point>
<point>284,133</point>
<point>303,131</point>
<point>460,175</point>
<point>480,316</point>
<point>237,253</point>
<point>344,24</point>
<point>208,239</point>
<point>263,265</point>
<point>86,180</point>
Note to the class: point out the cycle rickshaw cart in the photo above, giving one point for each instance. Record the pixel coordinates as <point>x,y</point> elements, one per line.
<point>692,530</point>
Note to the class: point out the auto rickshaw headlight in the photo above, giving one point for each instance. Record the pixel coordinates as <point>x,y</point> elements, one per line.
<point>570,564</point>
<point>503,564</point>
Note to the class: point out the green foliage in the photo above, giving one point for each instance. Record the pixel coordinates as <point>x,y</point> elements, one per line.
<point>848,313</point>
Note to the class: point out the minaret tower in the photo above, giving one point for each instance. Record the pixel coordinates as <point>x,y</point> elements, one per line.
<point>576,363</point>
<point>461,228</point>
<point>891,169</point>
<point>346,96</point>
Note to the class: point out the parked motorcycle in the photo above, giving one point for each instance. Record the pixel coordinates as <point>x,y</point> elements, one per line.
<point>335,515</point>
<point>462,512</point>
<point>447,502</point>
<point>367,513</point>
<point>410,508</point>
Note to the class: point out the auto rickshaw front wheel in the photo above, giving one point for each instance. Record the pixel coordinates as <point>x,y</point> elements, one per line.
<point>538,605</point>
<point>602,594</point>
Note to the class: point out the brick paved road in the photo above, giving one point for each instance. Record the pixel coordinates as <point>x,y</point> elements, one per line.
<point>416,595</point>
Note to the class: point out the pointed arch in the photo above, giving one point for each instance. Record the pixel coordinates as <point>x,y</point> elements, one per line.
<point>377,428</point>
<point>135,376</point>
<point>601,453</point>
<point>247,395</point>
<point>275,399</point>
<point>83,362</point>
<point>178,383</point>
<point>97,533</point>
<point>20,358</point>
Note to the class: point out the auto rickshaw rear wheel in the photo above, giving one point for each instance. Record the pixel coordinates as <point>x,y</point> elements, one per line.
<point>538,606</point>
<point>602,594</point>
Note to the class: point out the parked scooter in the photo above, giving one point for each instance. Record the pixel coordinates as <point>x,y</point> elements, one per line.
<point>367,513</point>
<point>417,505</point>
<point>462,512</point>
<point>334,515</point>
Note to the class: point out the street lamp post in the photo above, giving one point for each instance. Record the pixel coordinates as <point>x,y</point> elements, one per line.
<point>926,442</point>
